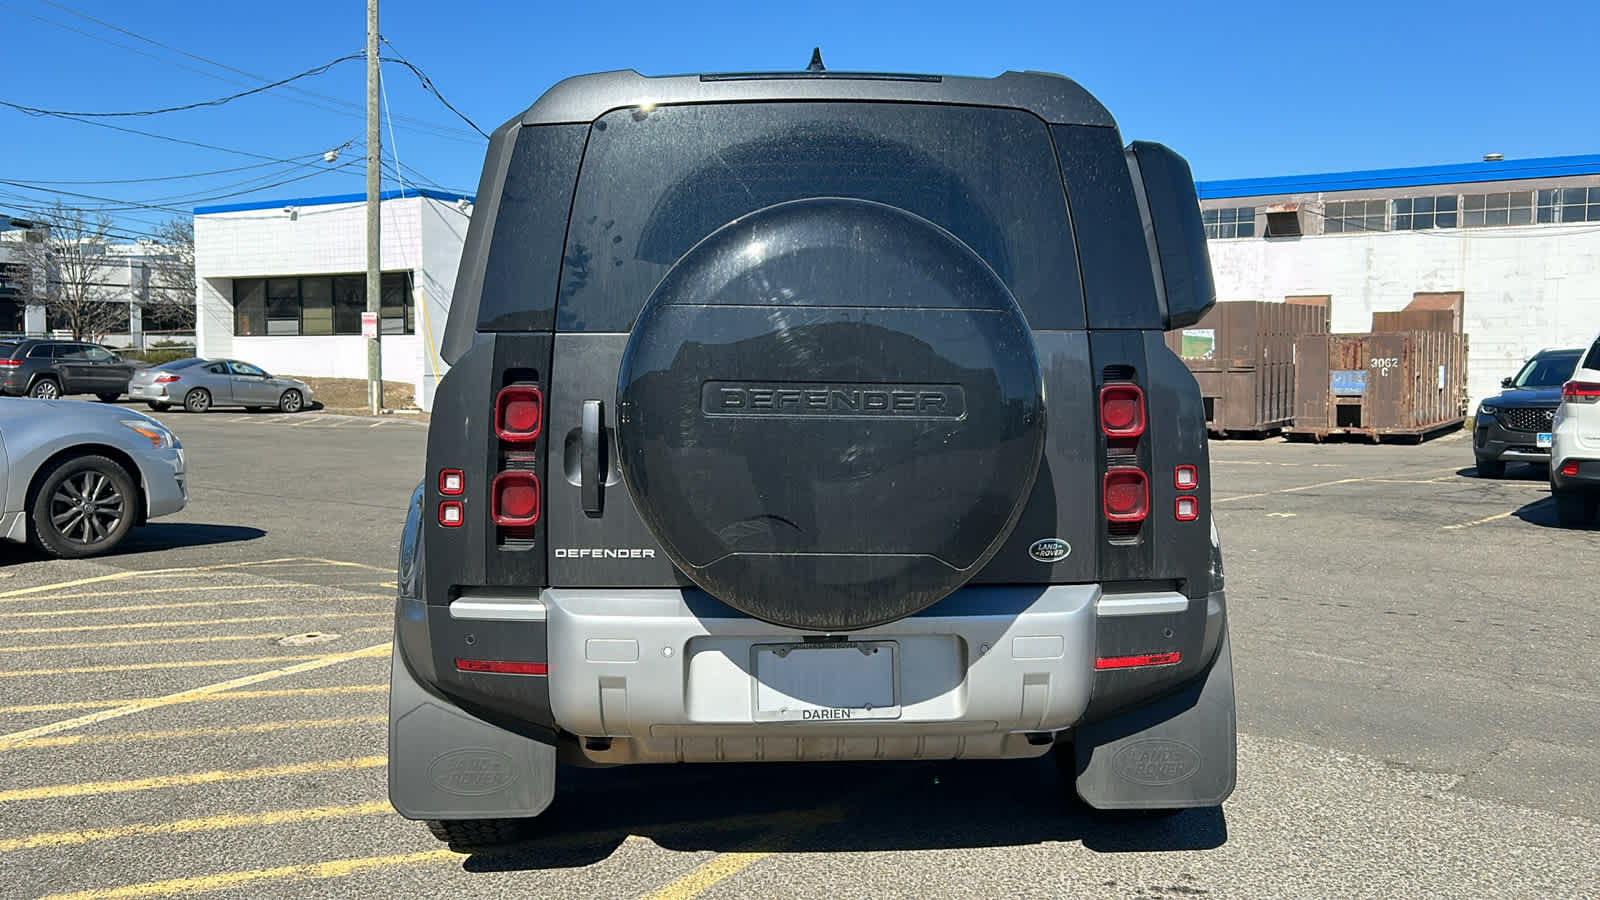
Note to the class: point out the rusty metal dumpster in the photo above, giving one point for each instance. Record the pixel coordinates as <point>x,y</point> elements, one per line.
<point>1401,384</point>
<point>1242,355</point>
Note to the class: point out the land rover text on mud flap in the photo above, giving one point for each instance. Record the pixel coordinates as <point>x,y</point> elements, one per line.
<point>815,416</point>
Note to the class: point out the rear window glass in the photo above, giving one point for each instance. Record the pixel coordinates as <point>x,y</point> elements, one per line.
<point>654,183</point>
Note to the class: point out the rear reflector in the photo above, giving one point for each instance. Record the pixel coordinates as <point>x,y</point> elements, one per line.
<point>452,482</point>
<point>1188,509</point>
<point>165,379</point>
<point>1570,468</point>
<point>450,514</point>
<point>499,667</point>
<point>518,413</point>
<point>514,499</point>
<point>1126,662</point>
<point>1126,495</point>
<point>1122,410</point>
<point>1185,478</point>
<point>1580,392</point>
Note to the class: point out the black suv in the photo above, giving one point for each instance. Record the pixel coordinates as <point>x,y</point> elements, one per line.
<point>815,416</point>
<point>51,369</point>
<point>1515,425</point>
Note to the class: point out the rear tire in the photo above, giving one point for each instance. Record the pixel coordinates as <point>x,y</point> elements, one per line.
<point>291,402</point>
<point>1575,510</point>
<point>108,398</point>
<point>82,506</point>
<point>158,407</point>
<point>197,400</point>
<point>45,389</point>
<point>478,835</point>
<point>1491,468</point>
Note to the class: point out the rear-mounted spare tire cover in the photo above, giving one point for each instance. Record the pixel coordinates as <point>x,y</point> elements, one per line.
<point>831,414</point>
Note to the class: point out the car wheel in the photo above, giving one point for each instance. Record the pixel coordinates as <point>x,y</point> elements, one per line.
<point>291,402</point>
<point>1574,510</point>
<point>83,506</point>
<point>197,400</point>
<point>469,835</point>
<point>158,407</point>
<point>1491,468</point>
<point>108,398</point>
<point>45,389</point>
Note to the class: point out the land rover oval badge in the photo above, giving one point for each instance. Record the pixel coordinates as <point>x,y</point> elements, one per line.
<point>1050,550</point>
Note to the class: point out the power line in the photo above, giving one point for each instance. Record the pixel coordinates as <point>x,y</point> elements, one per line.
<point>318,70</point>
<point>260,165</point>
<point>445,132</point>
<point>173,209</point>
<point>428,84</point>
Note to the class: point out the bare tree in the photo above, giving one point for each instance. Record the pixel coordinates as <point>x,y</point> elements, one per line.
<point>172,281</point>
<point>71,267</point>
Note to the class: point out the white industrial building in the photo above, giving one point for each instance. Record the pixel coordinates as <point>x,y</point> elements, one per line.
<point>125,274</point>
<point>281,284</point>
<point>1519,239</point>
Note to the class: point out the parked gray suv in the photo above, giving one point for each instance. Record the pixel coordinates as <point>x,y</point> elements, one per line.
<point>815,416</point>
<point>50,369</point>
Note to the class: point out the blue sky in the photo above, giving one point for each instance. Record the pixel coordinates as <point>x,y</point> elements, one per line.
<point>1241,89</point>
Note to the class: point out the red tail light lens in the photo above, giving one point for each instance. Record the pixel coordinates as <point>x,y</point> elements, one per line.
<point>501,667</point>
<point>451,514</point>
<point>514,499</point>
<point>1580,392</point>
<point>10,363</point>
<point>1138,662</point>
<point>518,413</point>
<point>165,379</point>
<point>452,482</point>
<point>1570,468</point>
<point>1122,410</point>
<point>1126,495</point>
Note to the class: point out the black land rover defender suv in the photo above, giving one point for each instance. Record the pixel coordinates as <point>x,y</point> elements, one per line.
<point>815,416</point>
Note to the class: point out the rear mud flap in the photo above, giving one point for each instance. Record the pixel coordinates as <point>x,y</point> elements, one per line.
<point>447,764</point>
<point>1177,752</point>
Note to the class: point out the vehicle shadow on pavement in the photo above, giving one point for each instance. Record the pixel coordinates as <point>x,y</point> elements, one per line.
<point>1514,472</point>
<point>1542,512</point>
<point>833,808</point>
<point>150,538</point>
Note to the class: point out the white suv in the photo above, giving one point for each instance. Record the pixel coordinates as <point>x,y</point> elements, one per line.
<point>1575,444</point>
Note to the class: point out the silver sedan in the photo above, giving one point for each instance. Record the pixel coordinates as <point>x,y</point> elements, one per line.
<point>76,477</point>
<point>199,384</point>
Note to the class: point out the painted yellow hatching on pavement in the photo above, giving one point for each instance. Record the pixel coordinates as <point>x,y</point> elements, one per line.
<point>187,697</point>
<point>337,868</point>
<point>96,610</point>
<point>119,626</point>
<point>137,573</point>
<point>178,734</point>
<point>717,869</point>
<point>190,589</point>
<point>90,788</point>
<point>1485,521</point>
<point>163,642</point>
<point>191,826</point>
<point>167,664</point>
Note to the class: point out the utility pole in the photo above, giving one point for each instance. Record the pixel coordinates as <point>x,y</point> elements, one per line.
<point>373,318</point>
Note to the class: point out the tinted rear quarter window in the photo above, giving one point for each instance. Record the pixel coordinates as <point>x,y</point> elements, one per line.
<point>653,184</point>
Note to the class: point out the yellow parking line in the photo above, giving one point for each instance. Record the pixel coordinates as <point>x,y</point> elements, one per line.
<point>1504,515</point>
<point>185,696</point>
<point>717,869</point>
<point>164,664</point>
<point>194,622</point>
<point>166,590</point>
<point>157,782</point>
<point>178,734</point>
<point>1320,484</point>
<point>338,868</point>
<point>162,642</point>
<point>191,826</point>
<point>230,695</point>
<point>187,605</point>
<point>143,573</point>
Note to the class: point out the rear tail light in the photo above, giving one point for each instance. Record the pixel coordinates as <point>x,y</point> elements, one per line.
<point>10,363</point>
<point>1126,495</point>
<point>514,499</point>
<point>1571,392</point>
<point>518,413</point>
<point>1185,478</point>
<point>165,379</point>
<point>1122,410</point>
<point>452,482</point>
<point>501,667</point>
<point>1188,509</point>
<point>450,514</point>
<point>1570,468</point>
<point>1138,662</point>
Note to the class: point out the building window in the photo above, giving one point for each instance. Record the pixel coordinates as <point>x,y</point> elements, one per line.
<point>1421,213</point>
<point>1233,222</point>
<point>1569,205</point>
<point>319,305</point>
<point>1343,217</point>
<point>1490,210</point>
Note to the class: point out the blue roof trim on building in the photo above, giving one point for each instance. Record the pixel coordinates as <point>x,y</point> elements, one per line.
<point>332,199</point>
<point>1505,170</point>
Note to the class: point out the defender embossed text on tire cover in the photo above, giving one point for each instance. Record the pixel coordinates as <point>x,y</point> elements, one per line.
<point>831,414</point>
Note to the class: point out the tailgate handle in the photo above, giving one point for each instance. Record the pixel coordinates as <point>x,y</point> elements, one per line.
<point>589,461</point>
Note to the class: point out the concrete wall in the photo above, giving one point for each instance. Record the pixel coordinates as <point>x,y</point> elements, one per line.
<point>1526,288</point>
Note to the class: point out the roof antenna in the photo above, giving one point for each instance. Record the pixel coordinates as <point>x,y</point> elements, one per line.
<point>816,60</point>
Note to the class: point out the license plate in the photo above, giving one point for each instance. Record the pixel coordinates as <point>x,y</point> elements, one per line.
<point>1542,440</point>
<point>829,683</point>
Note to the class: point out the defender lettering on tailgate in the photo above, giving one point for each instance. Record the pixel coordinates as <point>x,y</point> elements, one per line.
<point>908,401</point>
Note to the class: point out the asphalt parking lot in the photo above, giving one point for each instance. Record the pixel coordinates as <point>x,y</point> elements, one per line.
<point>1414,650</point>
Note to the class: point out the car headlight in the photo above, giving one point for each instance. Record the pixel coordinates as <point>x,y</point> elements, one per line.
<point>160,438</point>
<point>1487,409</point>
